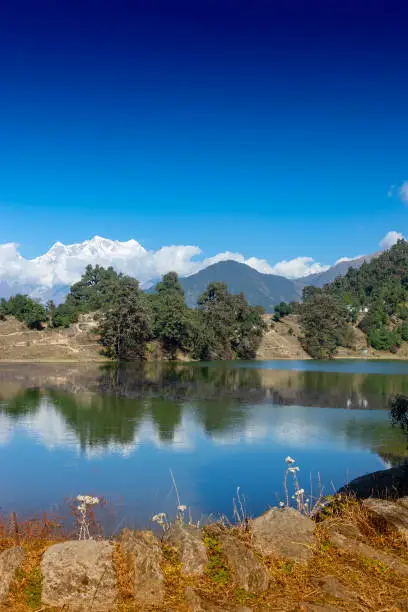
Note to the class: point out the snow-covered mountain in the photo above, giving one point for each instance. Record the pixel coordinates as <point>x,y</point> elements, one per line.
<point>50,275</point>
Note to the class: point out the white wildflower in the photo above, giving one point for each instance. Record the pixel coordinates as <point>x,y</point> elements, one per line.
<point>88,499</point>
<point>289,459</point>
<point>293,470</point>
<point>83,520</point>
<point>182,508</point>
<point>299,492</point>
<point>281,504</point>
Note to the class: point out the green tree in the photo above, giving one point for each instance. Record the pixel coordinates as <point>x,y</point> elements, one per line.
<point>171,321</point>
<point>3,309</point>
<point>170,284</point>
<point>323,319</point>
<point>228,326</point>
<point>126,326</point>
<point>98,288</point>
<point>28,311</point>
<point>282,310</point>
<point>50,309</point>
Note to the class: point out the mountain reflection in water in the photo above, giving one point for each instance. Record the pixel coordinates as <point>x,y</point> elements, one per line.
<point>232,425</point>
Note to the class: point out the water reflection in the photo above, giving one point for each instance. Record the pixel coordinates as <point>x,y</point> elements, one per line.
<point>219,424</point>
<point>116,406</point>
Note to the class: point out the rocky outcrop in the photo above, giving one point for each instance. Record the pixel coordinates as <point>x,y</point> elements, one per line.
<point>79,576</point>
<point>349,539</point>
<point>242,567</point>
<point>332,586</point>
<point>284,533</point>
<point>249,573</point>
<point>394,515</point>
<point>145,555</point>
<point>10,560</point>
<point>187,540</point>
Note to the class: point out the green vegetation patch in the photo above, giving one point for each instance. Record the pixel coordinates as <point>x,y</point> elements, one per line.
<point>33,589</point>
<point>217,569</point>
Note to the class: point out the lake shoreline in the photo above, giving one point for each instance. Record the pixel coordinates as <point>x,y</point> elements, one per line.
<point>353,552</point>
<point>106,360</point>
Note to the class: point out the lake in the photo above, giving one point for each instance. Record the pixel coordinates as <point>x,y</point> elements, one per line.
<point>117,431</point>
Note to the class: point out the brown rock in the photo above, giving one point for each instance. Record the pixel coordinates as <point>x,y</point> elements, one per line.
<point>334,587</point>
<point>145,551</point>
<point>10,561</point>
<point>79,576</point>
<point>394,515</point>
<point>285,533</point>
<point>354,546</point>
<point>250,574</point>
<point>188,542</point>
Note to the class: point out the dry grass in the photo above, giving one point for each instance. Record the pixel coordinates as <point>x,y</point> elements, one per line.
<point>124,570</point>
<point>35,536</point>
<point>362,584</point>
<point>175,582</point>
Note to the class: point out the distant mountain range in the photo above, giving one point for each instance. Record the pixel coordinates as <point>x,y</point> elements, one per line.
<point>50,275</point>
<point>339,269</point>
<point>265,290</point>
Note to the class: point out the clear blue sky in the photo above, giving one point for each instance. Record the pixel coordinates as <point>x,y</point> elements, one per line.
<point>270,128</point>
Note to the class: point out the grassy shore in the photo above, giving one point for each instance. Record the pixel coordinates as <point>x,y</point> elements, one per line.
<point>345,580</point>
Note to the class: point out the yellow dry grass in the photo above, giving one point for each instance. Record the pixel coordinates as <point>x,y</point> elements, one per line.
<point>362,584</point>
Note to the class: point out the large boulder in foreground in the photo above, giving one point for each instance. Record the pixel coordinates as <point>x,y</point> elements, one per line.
<point>284,533</point>
<point>394,515</point>
<point>145,552</point>
<point>79,576</point>
<point>249,573</point>
<point>187,540</point>
<point>10,561</point>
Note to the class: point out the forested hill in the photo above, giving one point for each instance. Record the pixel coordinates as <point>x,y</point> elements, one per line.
<point>133,324</point>
<point>374,297</point>
<point>264,290</point>
<point>321,279</point>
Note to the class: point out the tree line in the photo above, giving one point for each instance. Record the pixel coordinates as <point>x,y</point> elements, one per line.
<point>223,326</point>
<point>373,297</point>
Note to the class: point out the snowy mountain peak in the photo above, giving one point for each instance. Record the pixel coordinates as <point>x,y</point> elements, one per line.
<point>62,265</point>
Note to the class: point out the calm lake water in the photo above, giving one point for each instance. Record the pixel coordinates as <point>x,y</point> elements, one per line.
<point>117,431</point>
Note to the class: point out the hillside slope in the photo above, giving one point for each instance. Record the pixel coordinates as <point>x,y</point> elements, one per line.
<point>77,343</point>
<point>265,290</point>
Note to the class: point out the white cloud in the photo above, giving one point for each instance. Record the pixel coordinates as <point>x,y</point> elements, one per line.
<point>403,193</point>
<point>298,267</point>
<point>390,239</point>
<point>342,259</point>
<point>64,264</point>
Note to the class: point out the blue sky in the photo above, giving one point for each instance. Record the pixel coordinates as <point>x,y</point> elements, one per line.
<point>268,128</point>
